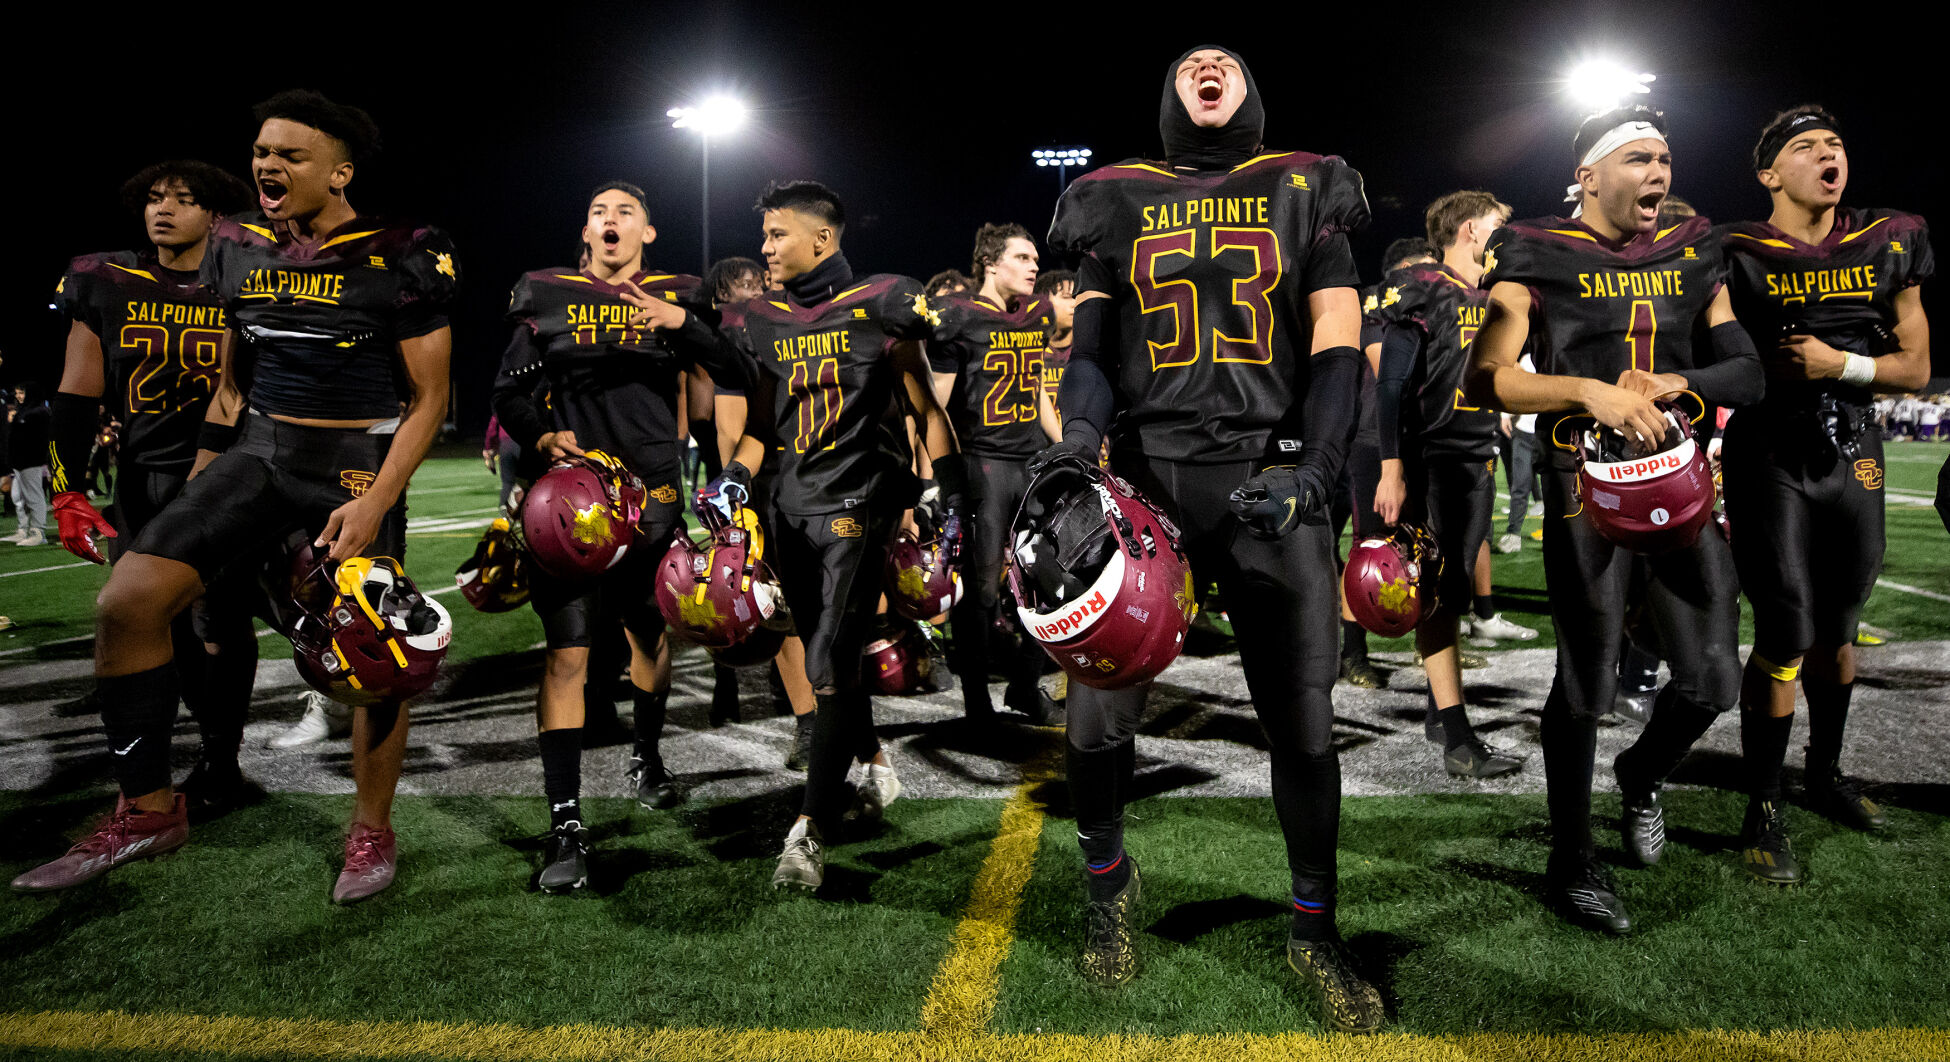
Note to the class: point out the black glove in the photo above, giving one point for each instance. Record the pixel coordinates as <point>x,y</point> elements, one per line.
<point>1276,500</point>
<point>1068,448</point>
<point>938,515</point>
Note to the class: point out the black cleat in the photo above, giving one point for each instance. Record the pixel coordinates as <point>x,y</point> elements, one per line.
<point>1031,701</point>
<point>1764,849</point>
<point>1838,798</point>
<point>1642,829</point>
<point>656,789</point>
<point>1634,706</point>
<point>1585,896</point>
<point>1361,674</point>
<point>1347,1003</point>
<point>1477,760</point>
<point>211,792</point>
<point>565,859</point>
<point>1109,954</point>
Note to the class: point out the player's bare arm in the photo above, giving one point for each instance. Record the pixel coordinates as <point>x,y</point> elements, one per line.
<point>918,380</point>
<point>226,406</point>
<point>1496,380</point>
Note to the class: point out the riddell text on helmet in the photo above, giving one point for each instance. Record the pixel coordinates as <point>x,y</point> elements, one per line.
<point>1635,470</point>
<point>1076,619</point>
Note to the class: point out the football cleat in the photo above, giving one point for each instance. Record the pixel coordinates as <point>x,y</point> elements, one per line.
<point>1032,701</point>
<point>879,786</point>
<point>803,863</point>
<point>127,833</point>
<point>1642,829</point>
<point>1109,954</point>
<point>1477,760</point>
<point>371,860</point>
<point>1585,896</point>
<point>1500,629</point>
<point>210,791</point>
<point>1838,798</point>
<point>1634,706</point>
<point>1361,674</point>
<point>1509,543</point>
<point>1764,845</point>
<point>323,718</point>
<point>1469,661</point>
<point>655,787</point>
<point>1347,1003</point>
<point>565,859</point>
<point>1869,641</point>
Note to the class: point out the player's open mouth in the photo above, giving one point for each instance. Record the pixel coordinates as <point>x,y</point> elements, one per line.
<point>1649,203</point>
<point>1831,176</point>
<point>611,238</point>
<point>270,193</point>
<point>1211,89</point>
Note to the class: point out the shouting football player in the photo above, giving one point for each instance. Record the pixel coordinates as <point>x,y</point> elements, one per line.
<point>143,342</point>
<point>1437,451</point>
<point>613,340</point>
<point>337,321</point>
<point>1616,303</point>
<point>1229,392</point>
<point>988,367</point>
<point>831,354</point>
<point>1836,296</point>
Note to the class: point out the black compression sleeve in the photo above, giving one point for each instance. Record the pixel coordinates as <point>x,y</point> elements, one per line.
<point>1085,397</point>
<point>1400,345</point>
<point>1332,397</point>
<point>514,390</point>
<point>73,420</point>
<point>1735,377</point>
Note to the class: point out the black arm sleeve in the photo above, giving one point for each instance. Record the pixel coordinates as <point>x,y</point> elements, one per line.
<point>702,345</point>
<point>1401,344</point>
<point>1735,377</point>
<point>71,433</point>
<point>1085,397</point>
<point>514,390</point>
<point>1332,397</point>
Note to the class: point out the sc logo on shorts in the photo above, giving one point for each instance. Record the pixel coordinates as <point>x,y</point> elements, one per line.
<point>355,481</point>
<point>1870,473</point>
<point>848,527</point>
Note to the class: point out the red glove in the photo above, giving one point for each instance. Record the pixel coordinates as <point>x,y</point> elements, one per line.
<point>80,523</point>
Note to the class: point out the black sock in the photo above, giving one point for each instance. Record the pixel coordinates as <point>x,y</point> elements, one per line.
<point>1354,641</point>
<point>562,773</point>
<point>1456,731</point>
<point>1677,724</point>
<point>1763,746</point>
<point>781,701</point>
<point>650,710</point>
<point>1307,799</point>
<point>1485,608</point>
<point>1098,800</point>
<point>228,676</point>
<point>1570,742</point>
<point>724,686</point>
<point>138,712</point>
<point>1313,914</point>
<point>1827,719</point>
<point>833,743</point>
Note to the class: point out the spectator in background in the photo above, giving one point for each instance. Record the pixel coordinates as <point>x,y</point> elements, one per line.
<point>27,456</point>
<point>502,453</point>
<point>1522,470</point>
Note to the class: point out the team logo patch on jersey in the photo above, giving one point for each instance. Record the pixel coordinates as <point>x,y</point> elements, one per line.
<point>926,312</point>
<point>1691,253</point>
<point>1896,247</point>
<point>355,481</point>
<point>860,313</point>
<point>443,263</point>
<point>375,261</point>
<point>665,493</point>
<point>1300,182</point>
<point>1870,473</point>
<point>848,527</point>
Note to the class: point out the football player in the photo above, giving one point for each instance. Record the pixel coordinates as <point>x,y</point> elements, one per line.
<point>831,355</point>
<point>1437,451</point>
<point>1612,304</point>
<point>142,341</point>
<point>1835,295</point>
<point>728,280</point>
<point>614,340</point>
<point>987,357</point>
<point>336,320</point>
<point>1233,388</point>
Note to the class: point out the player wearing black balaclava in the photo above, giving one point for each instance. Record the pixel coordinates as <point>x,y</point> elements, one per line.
<point>1238,433</point>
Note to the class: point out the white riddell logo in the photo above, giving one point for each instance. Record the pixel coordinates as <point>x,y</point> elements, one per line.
<point>1639,469</point>
<point>1073,619</point>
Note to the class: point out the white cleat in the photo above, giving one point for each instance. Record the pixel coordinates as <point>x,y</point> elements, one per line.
<point>1500,629</point>
<point>324,718</point>
<point>879,786</point>
<point>1509,543</point>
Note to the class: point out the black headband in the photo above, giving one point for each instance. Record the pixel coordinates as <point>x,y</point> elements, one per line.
<point>1777,136</point>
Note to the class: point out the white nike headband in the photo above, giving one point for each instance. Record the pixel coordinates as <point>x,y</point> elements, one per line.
<point>1619,136</point>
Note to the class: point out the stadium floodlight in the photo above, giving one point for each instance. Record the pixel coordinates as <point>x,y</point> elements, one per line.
<point>1062,158</point>
<point>716,116</point>
<point>1600,84</point>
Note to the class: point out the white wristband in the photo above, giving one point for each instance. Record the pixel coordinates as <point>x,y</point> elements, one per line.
<point>1858,370</point>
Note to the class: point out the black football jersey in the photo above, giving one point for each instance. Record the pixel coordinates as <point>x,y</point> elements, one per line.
<point>1599,307</point>
<point>614,386</point>
<point>320,323</point>
<point>834,382</point>
<point>1211,271</point>
<point>161,333</point>
<point>997,356</point>
<point>1842,290</point>
<point>1447,311</point>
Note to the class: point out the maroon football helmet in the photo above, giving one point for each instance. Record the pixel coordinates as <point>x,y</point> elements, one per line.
<point>1647,503</point>
<point>580,517</point>
<point>901,659</point>
<point>1098,576</point>
<point>718,593</point>
<point>1391,580</point>
<point>494,579</point>
<point>364,634</point>
<point>921,582</point>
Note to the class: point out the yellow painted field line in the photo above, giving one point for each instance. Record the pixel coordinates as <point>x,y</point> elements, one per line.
<point>962,998</point>
<point>312,1038</point>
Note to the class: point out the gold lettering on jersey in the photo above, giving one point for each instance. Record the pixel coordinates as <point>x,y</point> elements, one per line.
<point>1614,285</point>
<point>1471,316</point>
<point>270,283</point>
<point>176,313</point>
<point>1849,280</point>
<point>1222,210</point>
<point>1016,340</point>
<point>815,345</point>
<point>599,314</point>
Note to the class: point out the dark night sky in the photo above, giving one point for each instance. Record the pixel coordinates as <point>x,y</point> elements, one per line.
<point>496,130</point>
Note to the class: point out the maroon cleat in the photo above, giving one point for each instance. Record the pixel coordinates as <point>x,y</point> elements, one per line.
<point>371,856</point>
<point>128,833</point>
